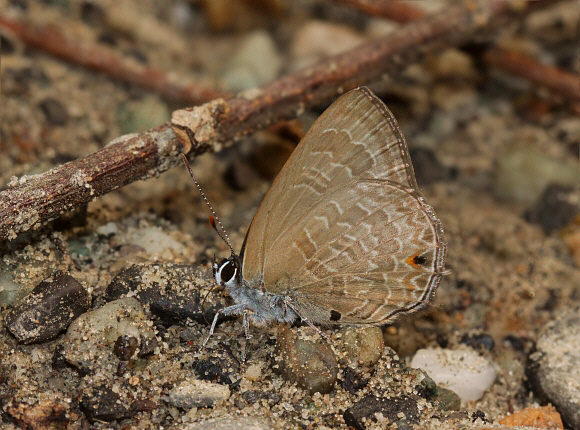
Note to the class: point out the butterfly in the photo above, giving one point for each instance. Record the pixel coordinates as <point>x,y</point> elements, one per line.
<point>343,235</point>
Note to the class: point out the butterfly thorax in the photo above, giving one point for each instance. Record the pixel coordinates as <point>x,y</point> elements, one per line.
<point>261,306</point>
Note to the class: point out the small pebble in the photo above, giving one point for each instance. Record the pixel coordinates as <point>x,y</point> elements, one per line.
<point>196,393</point>
<point>255,62</point>
<point>478,341</point>
<point>392,410</point>
<point>428,168</point>
<point>226,423</point>
<point>311,364</point>
<point>90,339</point>
<point>156,242</point>
<point>48,309</point>
<point>555,208</point>
<point>108,229</point>
<point>54,111</point>
<point>352,381</point>
<point>253,372</point>
<point>522,175</point>
<point>448,400</point>
<point>364,345</point>
<point>317,40</point>
<point>125,347</point>
<point>171,292</point>
<point>464,372</point>
<point>103,404</point>
<point>208,370</point>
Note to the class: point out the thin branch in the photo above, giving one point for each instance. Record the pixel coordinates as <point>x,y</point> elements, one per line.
<point>387,56</point>
<point>50,38</point>
<point>558,81</point>
<point>34,200</point>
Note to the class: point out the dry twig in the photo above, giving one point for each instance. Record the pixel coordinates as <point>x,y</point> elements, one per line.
<point>560,82</point>
<point>50,39</point>
<point>34,200</point>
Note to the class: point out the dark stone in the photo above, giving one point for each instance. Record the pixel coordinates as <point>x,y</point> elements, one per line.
<point>125,347</point>
<point>448,400</point>
<point>479,415</point>
<point>208,370</point>
<point>239,176</point>
<point>352,381</point>
<point>6,45</point>
<point>554,209</point>
<point>427,167</point>
<point>517,343</point>
<point>92,13</point>
<point>54,111</point>
<point>147,346</point>
<point>253,396</point>
<point>427,389</point>
<point>48,309</point>
<point>365,410</point>
<point>176,302</point>
<point>58,361</point>
<point>103,404</point>
<point>478,341</point>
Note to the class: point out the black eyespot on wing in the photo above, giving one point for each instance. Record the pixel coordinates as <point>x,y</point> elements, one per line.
<point>419,260</point>
<point>228,271</point>
<point>335,315</point>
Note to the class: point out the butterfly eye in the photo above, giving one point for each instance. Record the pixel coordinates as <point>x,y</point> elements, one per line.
<point>227,271</point>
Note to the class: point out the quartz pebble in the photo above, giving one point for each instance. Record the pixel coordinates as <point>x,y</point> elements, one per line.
<point>462,371</point>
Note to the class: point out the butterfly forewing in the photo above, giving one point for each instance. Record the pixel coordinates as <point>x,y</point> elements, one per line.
<point>344,227</point>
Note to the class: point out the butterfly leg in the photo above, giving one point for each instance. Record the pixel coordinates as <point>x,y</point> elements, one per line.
<point>247,332</point>
<point>230,310</point>
<point>307,321</point>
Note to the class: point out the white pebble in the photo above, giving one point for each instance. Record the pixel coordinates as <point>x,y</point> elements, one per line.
<point>464,372</point>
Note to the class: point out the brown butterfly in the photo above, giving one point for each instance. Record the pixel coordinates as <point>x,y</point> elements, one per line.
<point>344,235</point>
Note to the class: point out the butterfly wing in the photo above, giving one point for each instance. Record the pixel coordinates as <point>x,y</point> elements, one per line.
<point>344,232</point>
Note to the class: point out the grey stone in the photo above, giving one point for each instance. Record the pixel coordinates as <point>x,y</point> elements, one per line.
<point>553,369</point>
<point>255,62</point>
<point>522,174</point>
<point>90,339</point>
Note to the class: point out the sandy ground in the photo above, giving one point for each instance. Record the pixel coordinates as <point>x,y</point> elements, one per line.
<point>485,146</point>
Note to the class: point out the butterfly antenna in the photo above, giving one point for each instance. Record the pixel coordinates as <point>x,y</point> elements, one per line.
<point>214,217</point>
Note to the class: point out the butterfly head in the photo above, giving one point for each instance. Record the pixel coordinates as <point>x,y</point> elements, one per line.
<point>227,273</point>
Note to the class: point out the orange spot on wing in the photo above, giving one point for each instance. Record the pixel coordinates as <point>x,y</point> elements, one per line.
<point>413,261</point>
